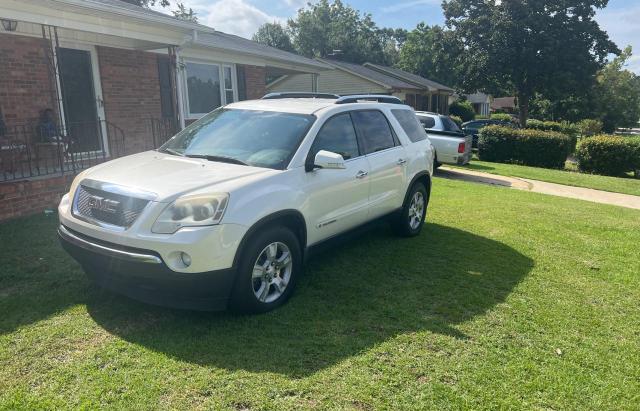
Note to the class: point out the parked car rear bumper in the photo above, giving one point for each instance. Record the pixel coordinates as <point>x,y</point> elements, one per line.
<point>143,275</point>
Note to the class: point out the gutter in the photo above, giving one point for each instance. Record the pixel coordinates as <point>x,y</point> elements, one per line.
<point>93,6</point>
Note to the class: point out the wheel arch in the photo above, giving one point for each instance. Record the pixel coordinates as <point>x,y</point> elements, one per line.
<point>422,177</point>
<point>292,219</point>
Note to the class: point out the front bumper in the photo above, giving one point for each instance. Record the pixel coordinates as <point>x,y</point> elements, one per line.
<point>143,275</point>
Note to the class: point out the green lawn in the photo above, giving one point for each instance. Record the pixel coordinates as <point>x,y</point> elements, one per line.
<point>571,178</point>
<point>507,300</point>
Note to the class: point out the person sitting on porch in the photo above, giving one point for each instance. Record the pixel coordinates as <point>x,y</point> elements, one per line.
<point>49,131</point>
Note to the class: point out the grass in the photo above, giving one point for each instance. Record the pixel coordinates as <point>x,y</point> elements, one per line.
<point>507,300</point>
<point>571,178</point>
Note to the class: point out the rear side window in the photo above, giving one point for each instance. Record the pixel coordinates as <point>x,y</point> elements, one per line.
<point>375,130</point>
<point>410,125</point>
<point>427,122</point>
<point>450,125</point>
<point>338,136</point>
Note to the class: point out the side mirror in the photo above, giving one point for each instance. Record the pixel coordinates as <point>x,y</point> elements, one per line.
<point>328,160</point>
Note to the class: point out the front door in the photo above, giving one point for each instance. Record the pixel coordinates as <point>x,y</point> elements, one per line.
<point>79,100</point>
<point>338,199</point>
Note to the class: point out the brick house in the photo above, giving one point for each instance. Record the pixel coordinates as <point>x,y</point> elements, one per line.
<point>84,81</point>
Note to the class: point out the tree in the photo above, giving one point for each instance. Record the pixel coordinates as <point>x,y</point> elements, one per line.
<point>183,14</point>
<point>617,94</point>
<point>274,35</point>
<point>334,29</point>
<point>431,52</point>
<point>530,46</point>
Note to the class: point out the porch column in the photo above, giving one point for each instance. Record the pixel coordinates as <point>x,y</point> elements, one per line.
<point>179,88</point>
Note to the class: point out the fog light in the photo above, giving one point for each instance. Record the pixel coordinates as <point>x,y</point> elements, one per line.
<point>186,259</point>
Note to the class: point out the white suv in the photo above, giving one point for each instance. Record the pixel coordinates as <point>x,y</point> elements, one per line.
<point>225,212</point>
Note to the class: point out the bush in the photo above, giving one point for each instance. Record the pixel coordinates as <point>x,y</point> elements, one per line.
<point>528,147</point>
<point>457,120</point>
<point>501,117</point>
<point>566,128</point>
<point>608,155</point>
<point>462,109</point>
<point>589,127</point>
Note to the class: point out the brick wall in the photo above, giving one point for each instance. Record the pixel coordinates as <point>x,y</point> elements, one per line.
<point>25,88</point>
<point>131,93</point>
<point>24,198</point>
<point>255,79</point>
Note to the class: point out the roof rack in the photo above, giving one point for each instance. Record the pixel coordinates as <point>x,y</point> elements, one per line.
<point>367,98</point>
<point>274,96</point>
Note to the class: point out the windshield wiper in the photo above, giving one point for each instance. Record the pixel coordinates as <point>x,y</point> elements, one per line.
<point>222,159</point>
<point>171,151</point>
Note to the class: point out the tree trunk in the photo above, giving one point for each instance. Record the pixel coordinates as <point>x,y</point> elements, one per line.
<point>523,103</point>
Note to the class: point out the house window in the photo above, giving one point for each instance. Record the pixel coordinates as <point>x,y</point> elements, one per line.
<point>209,86</point>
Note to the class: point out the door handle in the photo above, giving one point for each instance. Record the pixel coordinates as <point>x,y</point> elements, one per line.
<point>362,174</point>
<point>401,161</point>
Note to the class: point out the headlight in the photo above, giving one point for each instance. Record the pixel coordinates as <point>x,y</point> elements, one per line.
<point>191,211</point>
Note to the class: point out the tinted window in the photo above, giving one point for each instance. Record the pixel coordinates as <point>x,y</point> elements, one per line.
<point>338,136</point>
<point>427,122</point>
<point>410,125</point>
<point>375,130</point>
<point>450,125</point>
<point>258,138</point>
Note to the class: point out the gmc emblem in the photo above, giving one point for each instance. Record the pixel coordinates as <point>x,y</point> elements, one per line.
<point>103,204</point>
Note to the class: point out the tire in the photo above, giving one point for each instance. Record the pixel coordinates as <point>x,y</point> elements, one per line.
<point>408,223</point>
<point>436,165</point>
<point>261,285</point>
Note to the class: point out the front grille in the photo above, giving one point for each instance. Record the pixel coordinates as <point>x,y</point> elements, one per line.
<point>123,210</point>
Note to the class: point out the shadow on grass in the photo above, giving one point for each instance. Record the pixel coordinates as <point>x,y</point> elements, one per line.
<point>353,297</point>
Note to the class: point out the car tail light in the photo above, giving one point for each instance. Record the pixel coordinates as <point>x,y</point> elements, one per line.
<point>461,147</point>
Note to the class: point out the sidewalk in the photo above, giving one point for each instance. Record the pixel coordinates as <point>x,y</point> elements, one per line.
<point>587,194</point>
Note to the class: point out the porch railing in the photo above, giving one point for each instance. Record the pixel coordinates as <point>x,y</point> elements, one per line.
<point>162,129</point>
<point>28,150</point>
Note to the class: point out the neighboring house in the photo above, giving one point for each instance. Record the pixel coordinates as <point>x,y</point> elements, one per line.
<point>83,81</point>
<point>505,104</point>
<point>481,103</point>
<point>346,78</point>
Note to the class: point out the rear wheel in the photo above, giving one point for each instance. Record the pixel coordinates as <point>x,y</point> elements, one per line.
<point>267,272</point>
<point>411,219</point>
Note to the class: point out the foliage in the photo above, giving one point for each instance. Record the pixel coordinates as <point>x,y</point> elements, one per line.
<point>523,146</point>
<point>325,29</point>
<point>183,13</point>
<point>608,155</point>
<point>457,120</point>
<point>274,35</point>
<point>541,46</point>
<point>565,177</point>
<point>462,109</point>
<point>501,117</point>
<point>566,128</point>
<point>589,127</point>
<point>431,52</point>
<point>618,95</point>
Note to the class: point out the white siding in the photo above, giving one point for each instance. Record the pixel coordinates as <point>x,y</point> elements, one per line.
<point>333,81</point>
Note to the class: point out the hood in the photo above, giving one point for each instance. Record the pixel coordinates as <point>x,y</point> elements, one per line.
<point>170,176</point>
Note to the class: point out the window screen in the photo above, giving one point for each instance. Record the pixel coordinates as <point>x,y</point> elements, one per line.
<point>410,125</point>
<point>338,136</point>
<point>376,133</point>
<point>203,87</point>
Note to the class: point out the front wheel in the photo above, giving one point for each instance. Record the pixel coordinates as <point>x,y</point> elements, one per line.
<point>268,270</point>
<point>411,219</point>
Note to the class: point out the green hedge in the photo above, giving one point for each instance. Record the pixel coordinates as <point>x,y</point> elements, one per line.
<point>523,146</point>
<point>501,117</point>
<point>569,129</point>
<point>462,109</point>
<point>608,155</point>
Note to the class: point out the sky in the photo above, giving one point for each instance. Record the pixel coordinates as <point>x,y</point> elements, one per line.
<point>621,18</point>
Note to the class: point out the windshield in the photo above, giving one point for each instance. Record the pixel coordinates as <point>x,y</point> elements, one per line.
<point>256,138</point>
